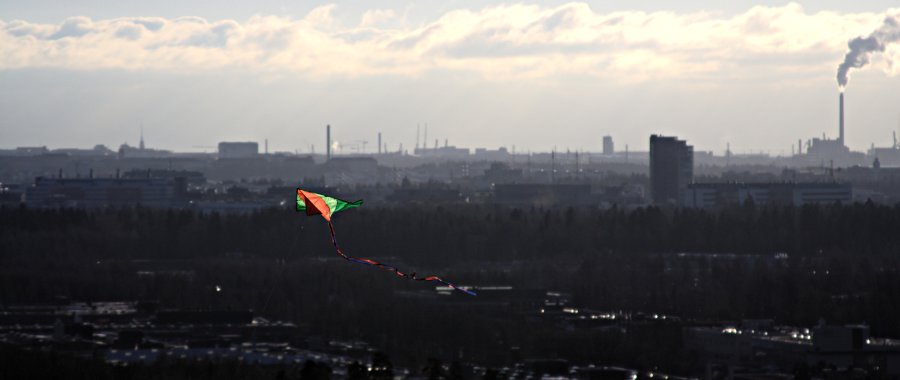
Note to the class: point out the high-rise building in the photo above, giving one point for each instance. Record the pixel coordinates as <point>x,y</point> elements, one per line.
<point>671,169</point>
<point>608,148</point>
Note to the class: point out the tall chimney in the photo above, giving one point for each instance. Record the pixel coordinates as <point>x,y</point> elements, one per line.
<point>328,141</point>
<point>379,142</point>
<point>841,116</point>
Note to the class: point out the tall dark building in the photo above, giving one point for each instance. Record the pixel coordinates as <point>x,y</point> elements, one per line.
<point>608,148</point>
<point>671,169</point>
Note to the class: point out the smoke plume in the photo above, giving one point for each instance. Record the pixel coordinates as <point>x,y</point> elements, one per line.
<point>862,47</point>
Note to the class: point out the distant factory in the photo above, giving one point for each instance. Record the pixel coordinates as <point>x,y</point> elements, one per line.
<point>238,150</point>
<point>832,151</point>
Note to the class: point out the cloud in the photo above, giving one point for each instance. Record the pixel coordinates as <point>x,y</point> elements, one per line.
<point>503,42</point>
<point>377,17</point>
<point>73,27</point>
<point>131,32</point>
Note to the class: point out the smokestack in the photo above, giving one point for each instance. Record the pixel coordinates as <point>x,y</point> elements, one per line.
<point>267,147</point>
<point>379,142</point>
<point>328,142</point>
<point>841,116</point>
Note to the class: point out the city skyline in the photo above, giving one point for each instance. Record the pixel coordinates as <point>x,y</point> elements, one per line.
<point>480,75</point>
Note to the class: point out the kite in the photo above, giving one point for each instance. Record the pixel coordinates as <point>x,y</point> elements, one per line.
<point>318,204</point>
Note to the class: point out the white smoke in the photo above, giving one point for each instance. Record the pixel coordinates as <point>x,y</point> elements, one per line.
<point>862,47</point>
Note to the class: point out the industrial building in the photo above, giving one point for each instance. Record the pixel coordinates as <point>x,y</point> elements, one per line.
<point>446,151</point>
<point>889,156</point>
<point>103,192</point>
<point>833,151</point>
<point>238,149</point>
<point>709,195</point>
<point>671,169</point>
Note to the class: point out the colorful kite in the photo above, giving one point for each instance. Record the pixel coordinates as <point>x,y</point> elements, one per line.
<point>318,204</point>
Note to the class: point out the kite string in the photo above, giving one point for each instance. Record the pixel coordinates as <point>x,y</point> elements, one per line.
<point>411,276</point>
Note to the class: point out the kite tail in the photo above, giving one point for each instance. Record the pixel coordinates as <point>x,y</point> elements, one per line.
<point>411,276</point>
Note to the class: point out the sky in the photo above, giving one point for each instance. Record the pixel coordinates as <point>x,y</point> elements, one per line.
<point>534,76</point>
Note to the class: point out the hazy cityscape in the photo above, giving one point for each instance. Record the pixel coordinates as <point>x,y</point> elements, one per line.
<point>591,171</point>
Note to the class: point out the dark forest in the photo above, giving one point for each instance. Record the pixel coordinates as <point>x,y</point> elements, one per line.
<point>796,265</point>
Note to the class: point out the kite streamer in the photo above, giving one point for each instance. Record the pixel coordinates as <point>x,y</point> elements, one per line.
<point>318,204</point>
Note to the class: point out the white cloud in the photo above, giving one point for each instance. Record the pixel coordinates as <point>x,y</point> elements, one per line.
<point>498,42</point>
<point>376,17</point>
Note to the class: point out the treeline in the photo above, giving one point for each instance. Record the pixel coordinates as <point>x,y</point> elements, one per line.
<point>18,363</point>
<point>795,265</point>
<point>450,234</point>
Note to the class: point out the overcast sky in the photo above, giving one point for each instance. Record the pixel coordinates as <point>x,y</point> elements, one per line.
<point>760,75</point>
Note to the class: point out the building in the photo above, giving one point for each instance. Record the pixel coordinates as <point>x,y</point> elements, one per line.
<point>238,149</point>
<point>608,148</point>
<point>127,151</point>
<point>443,152</point>
<point>671,169</point>
<point>886,156</point>
<point>103,192</point>
<point>25,151</point>
<point>10,194</point>
<point>351,170</point>
<point>833,151</point>
<point>98,151</point>
<point>500,172</point>
<point>491,155</point>
<point>708,195</point>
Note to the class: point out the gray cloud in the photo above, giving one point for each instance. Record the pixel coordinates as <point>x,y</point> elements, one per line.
<point>152,24</point>
<point>72,27</point>
<point>131,32</point>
